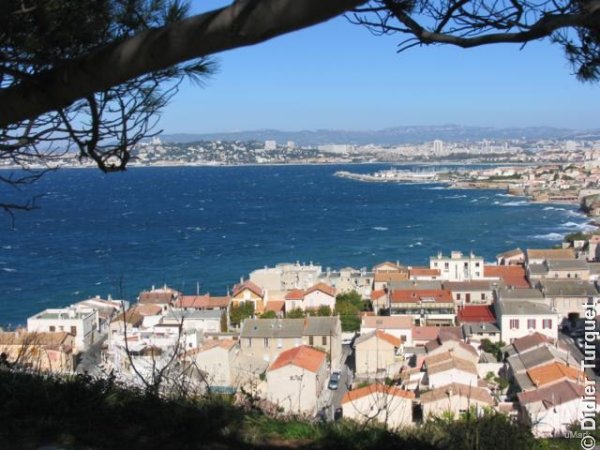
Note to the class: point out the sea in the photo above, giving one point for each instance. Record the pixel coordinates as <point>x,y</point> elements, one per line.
<point>200,229</point>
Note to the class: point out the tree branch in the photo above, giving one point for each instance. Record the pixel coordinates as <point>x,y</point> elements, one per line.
<point>243,23</point>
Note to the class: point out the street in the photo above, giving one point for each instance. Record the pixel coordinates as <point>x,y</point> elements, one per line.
<point>577,354</point>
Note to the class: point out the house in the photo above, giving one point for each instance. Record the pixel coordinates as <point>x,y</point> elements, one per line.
<point>377,402</point>
<point>266,338</point>
<point>569,297</point>
<point>458,267</point>
<point>286,276</point>
<point>164,297</point>
<point>427,307</point>
<point>214,360</point>
<point>552,373</point>
<point>377,353</point>
<point>247,291</point>
<point>472,292</point>
<point>379,300</point>
<point>388,266</point>
<point>294,299</point>
<point>202,302</point>
<point>476,332</point>
<point>204,320</point>
<point>511,276</point>
<point>475,314</point>
<point>318,295</point>
<point>549,411</point>
<point>455,398</point>
<point>520,318</point>
<point>39,351</point>
<point>106,309</point>
<point>424,273</point>
<point>423,335</point>
<point>511,257</point>
<point>349,279</point>
<point>538,256</point>
<point>81,323</point>
<point>138,316</point>
<point>382,279</point>
<point>446,368</point>
<point>447,343</point>
<point>568,269</point>
<point>296,379</point>
<point>398,326</point>
<point>519,364</point>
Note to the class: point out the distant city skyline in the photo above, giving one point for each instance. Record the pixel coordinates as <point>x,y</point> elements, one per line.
<point>338,76</point>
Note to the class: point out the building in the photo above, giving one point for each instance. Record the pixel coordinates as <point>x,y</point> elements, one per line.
<point>447,368</point>
<point>569,297</point>
<point>202,302</point>
<point>455,398</point>
<point>215,359</point>
<point>164,297</point>
<point>510,257</point>
<point>511,276</point>
<point>377,354</point>
<point>458,267</point>
<point>204,320</point>
<point>472,292</point>
<point>247,291</point>
<point>296,379</point>
<point>398,326</point>
<point>81,323</point>
<point>377,402</point>
<point>520,318</point>
<point>426,307</point>
<point>538,256</point>
<point>319,295</point>
<point>266,338</point>
<point>43,352</point>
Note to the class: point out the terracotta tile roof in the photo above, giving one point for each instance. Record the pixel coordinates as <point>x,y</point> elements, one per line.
<point>551,253</point>
<point>550,396</point>
<point>453,363</point>
<point>437,359</point>
<point>376,389</point>
<point>295,294</point>
<point>396,342</point>
<point>377,294</point>
<point>423,272</point>
<point>388,322</point>
<point>425,333</point>
<point>388,266</point>
<point>475,314</point>
<point>238,288</point>
<point>415,296</point>
<point>325,288</point>
<point>553,372</point>
<point>530,341</point>
<point>156,297</point>
<point>202,302</point>
<point>513,276</point>
<point>450,333</point>
<point>388,277</point>
<point>55,340</point>
<point>462,390</point>
<point>275,305</point>
<point>303,356</point>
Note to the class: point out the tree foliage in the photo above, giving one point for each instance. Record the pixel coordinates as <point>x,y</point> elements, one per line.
<point>240,311</point>
<point>349,307</point>
<point>295,313</point>
<point>268,315</point>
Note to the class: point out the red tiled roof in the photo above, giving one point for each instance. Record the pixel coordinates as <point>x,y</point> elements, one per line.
<point>250,286</point>
<point>295,294</point>
<point>555,371</point>
<point>388,338</point>
<point>550,396</point>
<point>303,356</point>
<point>377,294</point>
<point>414,296</point>
<point>376,389</point>
<point>275,305</point>
<point>423,271</point>
<point>388,277</point>
<point>425,333</point>
<point>202,302</point>
<point>388,322</point>
<point>475,314</point>
<point>325,288</point>
<point>511,275</point>
<point>391,267</point>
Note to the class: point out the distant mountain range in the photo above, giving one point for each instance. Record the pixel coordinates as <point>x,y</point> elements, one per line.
<point>389,136</point>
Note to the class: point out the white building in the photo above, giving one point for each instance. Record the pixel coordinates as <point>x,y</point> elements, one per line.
<point>79,322</point>
<point>458,267</point>
<point>517,319</point>
<point>385,404</point>
<point>270,145</point>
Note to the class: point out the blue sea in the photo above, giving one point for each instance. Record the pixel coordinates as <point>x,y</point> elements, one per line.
<point>206,227</point>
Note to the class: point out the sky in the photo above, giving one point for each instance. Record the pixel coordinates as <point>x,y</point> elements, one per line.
<point>337,75</point>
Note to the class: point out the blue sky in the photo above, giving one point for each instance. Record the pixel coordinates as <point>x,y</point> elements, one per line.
<point>337,75</point>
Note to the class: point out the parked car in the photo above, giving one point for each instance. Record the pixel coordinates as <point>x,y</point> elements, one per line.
<point>580,342</point>
<point>334,381</point>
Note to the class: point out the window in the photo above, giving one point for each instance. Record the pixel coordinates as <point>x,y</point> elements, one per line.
<point>266,342</point>
<point>324,340</point>
<point>514,324</point>
<point>531,324</point>
<point>74,331</point>
<point>446,266</point>
<point>476,264</point>
<point>311,340</point>
<point>52,328</point>
<point>482,296</point>
<point>457,296</point>
<point>547,324</point>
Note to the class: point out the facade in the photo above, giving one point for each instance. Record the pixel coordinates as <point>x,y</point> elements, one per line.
<point>377,402</point>
<point>445,368</point>
<point>376,353</point>
<point>44,352</point>
<point>214,360</point>
<point>318,295</point>
<point>539,256</point>
<point>454,398</point>
<point>569,297</point>
<point>398,326</point>
<point>478,292</point>
<point>79,322</point>
<point>458,267</point>
<point>520,318</point>
<point>426,307</point>
<point>249,292</point>
<point>296,379</point>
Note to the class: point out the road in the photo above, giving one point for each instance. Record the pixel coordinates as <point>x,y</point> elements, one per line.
<point>332,399</point>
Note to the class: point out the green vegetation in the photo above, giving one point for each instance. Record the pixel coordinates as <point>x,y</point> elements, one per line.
<point>493,348</point>
<point>80,412</point>
<point>268,315</point>
<point>349,306</point>
<point>241,311</point>
<point>296,313</point>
